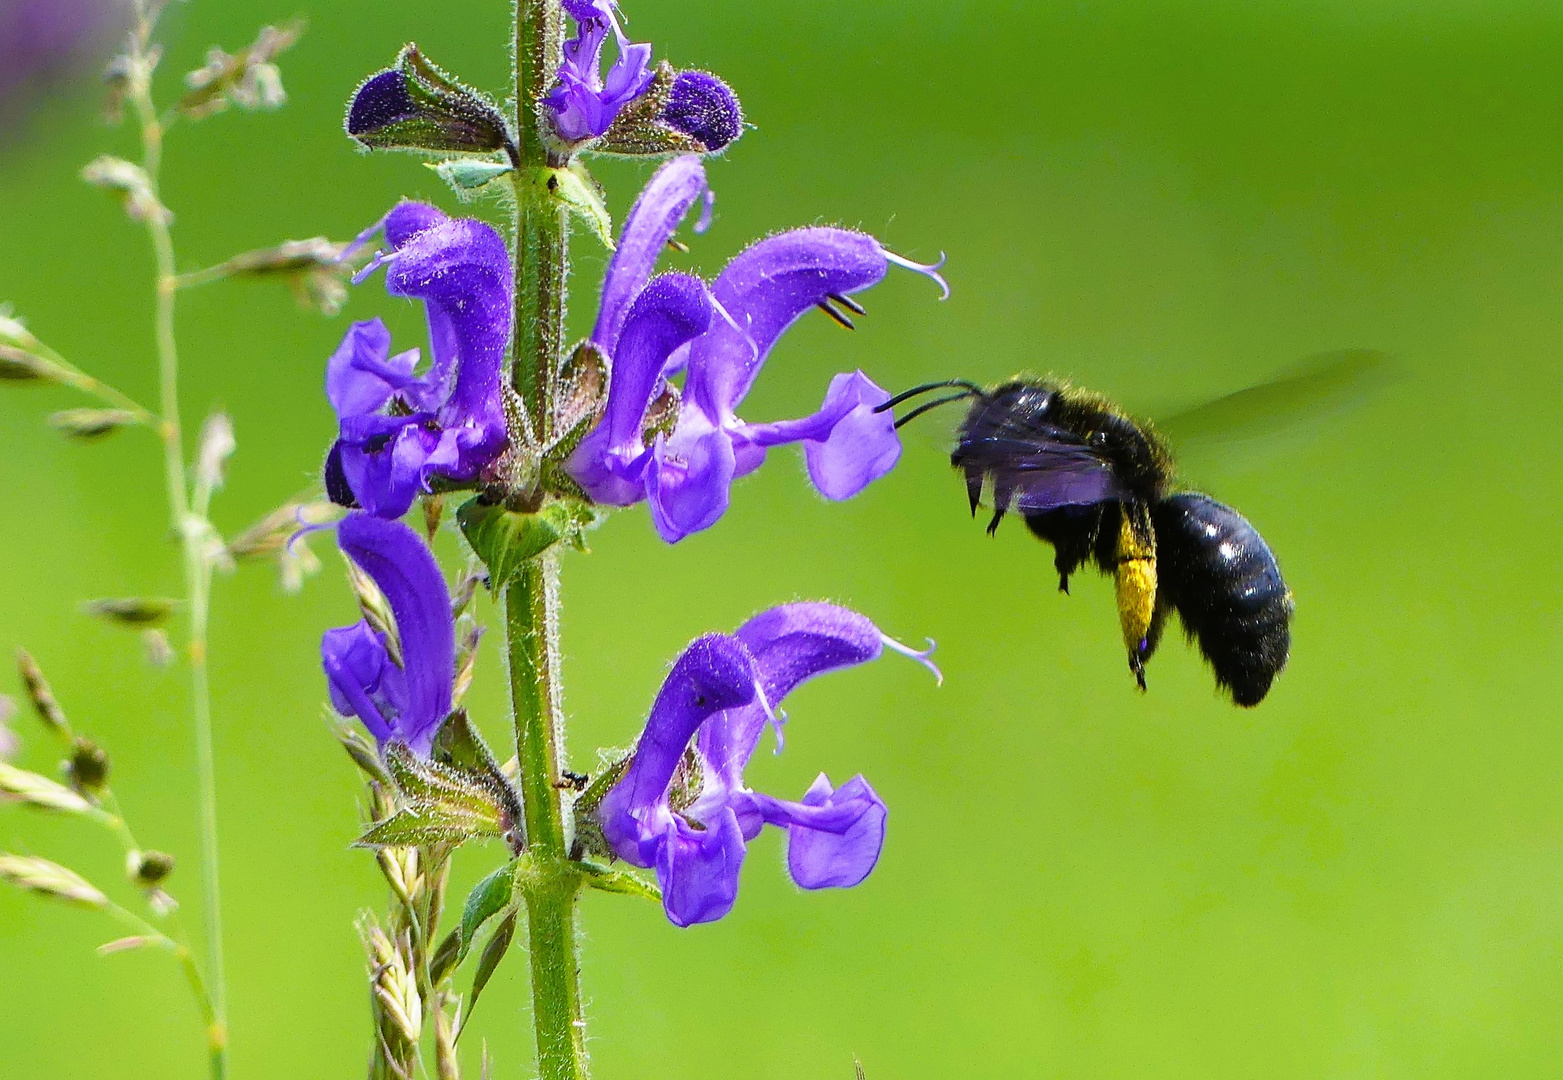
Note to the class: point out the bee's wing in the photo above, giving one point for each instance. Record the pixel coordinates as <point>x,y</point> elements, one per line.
<point>1040,470</point>
<point>1316,388</point>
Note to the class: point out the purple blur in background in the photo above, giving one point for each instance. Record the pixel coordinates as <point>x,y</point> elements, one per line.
<point>44,44</point>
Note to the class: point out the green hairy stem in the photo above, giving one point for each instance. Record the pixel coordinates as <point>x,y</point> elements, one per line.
<point>541,245</point>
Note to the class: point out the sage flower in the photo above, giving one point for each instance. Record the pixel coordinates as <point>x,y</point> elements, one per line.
<point>399,430</point>
<point>686,475</point>
<point>682,807</point>
<point>584,105</point>
<point>404,701</point>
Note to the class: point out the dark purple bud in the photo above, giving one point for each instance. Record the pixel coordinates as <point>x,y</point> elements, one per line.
<point>683,112</point>
<point>704,108</point>
<point>417,106</point>
<point>338,490</point>
<point>379,103</point>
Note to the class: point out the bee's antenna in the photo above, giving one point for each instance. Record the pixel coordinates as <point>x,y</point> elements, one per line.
<point>971,388</point>
<point>934,404</point>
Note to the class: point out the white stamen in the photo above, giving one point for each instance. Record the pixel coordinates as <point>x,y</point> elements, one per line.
<point>704,222</point>
<point>380,259</point>
<point>776,716</point>
<point>921,657</point>
<point>754,348</point>
<point>928,270</point>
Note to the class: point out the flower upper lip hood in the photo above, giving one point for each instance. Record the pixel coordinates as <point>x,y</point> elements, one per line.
<point>397,429</point>
<point>687,475</point>
<point>404,702</point>
<point>721,693</point>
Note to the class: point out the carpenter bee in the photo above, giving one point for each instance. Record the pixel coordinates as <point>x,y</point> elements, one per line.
<point>1100,487</point>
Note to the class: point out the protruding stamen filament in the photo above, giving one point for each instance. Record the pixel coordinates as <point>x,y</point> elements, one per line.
<point>705,213</point>
<point>380,259</point>
<point>928,270</point>
<point>921,657</point>
<point>847,302</point>
<point>837,316</point>
<point>776,716</point>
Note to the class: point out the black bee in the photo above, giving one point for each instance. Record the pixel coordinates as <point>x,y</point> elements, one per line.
<point>1100,487</point>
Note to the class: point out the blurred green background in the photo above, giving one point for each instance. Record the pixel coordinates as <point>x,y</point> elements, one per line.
<point>1166,201</point>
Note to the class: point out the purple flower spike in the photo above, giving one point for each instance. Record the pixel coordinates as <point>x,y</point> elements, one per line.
<point>721,693</point>
<point>405,703</point>
<point>686,476</point>
<point>584,105</point>
<point>397,429</point>
<point>704,108</point>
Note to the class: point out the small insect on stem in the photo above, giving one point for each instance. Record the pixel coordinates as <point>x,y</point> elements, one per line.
<point>678,246</point>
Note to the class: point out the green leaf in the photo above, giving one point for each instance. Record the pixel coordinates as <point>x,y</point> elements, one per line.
<point>453,791</point>
<point>488,898</point>
<point>416,825</point>
<point>498,945</point>
<point>504,539</point>
<point>623,882</point>
<point>578,190</point>
<point>467,174</point>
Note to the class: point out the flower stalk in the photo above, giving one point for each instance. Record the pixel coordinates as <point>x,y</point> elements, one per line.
<point>542,223</point>
<point>551,890</point>
<point>542,266</point>
<point>191,529</point>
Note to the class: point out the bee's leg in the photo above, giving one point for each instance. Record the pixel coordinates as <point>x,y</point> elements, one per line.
<point>1134,581</point>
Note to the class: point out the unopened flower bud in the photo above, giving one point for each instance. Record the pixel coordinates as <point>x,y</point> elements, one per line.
<point>130,183</point>
<point>216,447</point>
<point>683,112</point>
<point>41,696</point>
<point>131,610</point>
<point>148,869</point>
<point>159,652</point>
<point>17,365</point>
<point>249,79</point>
<point>417,106</point>
<point>88,767</point>
<point>50,879</point>
<point>91,423</point>
<point>376,609</point>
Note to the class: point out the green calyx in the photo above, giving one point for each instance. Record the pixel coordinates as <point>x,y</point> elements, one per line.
<point>506,539</point>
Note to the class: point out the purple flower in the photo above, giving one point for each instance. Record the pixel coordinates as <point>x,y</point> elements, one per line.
<point>407,701</point>
<point>693,825</point>
<point>583,104</point>
<point>398,429</point>
<point>687,476</point>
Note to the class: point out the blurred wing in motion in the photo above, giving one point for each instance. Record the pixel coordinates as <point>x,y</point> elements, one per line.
<point>1320,387</point>
<point>1244,428</point>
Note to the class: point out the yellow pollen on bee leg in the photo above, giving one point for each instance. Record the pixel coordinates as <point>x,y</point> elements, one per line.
<point>1135,584</point>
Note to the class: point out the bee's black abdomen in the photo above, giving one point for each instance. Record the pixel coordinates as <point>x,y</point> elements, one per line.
<point>1219,575</point>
